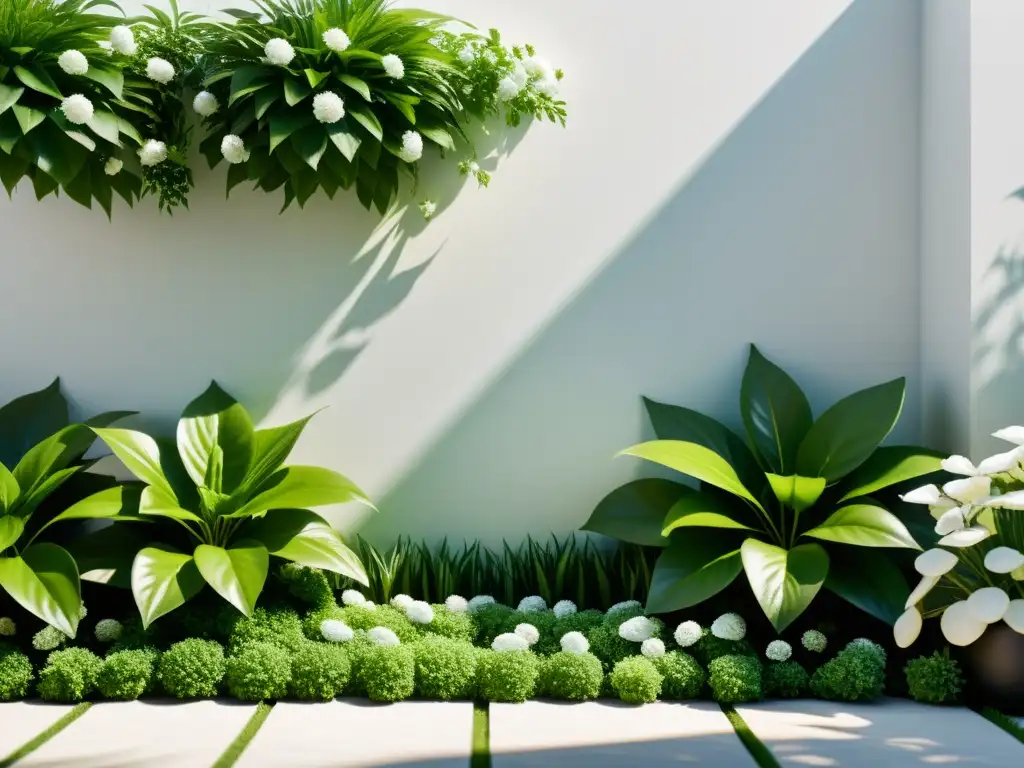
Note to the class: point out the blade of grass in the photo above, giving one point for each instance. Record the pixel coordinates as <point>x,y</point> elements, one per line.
<point>237,747</point>
<point>33,744</point>
<point>1008,724</point>
<point>761,754</point>
<point>481,754</point>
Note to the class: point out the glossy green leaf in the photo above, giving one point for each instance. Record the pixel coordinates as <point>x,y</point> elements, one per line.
<point>111,79</point>
<point>139,453</point>
<point>30,419</point>
<point>44,581</point>
<point>888,466</point>
<point>105,125</point>
<point>402,106</point>
<point>864,525</point>
<point>306,538</point>
<point>295,91</point>
<point>314,78</point>
<point>365,117</point>
<point>270,449</point>
<point>696,509</point>
<point>302,487</point>
<point>56,154</point>
<point>634,512</point>
<point>118,503</point>
<point>9,490</point>
<point>796,492</point>
<point>237,574</point>
<point>215,424</point>
<point>437,134</point>
<point>263,100</point>
<point>869,580</point>
<point>10,530</point>
<point>775,412</point>
<point>283,123</point>
<point>36,78</point>
<point>849,432</point>
<point>696,565</point>
<point>9,96</point>
<point>246,80</point>
<point>344,139</point>
<point>156,503</point>
<point>28,117</point>
<point>357,85</point>
<point>28,502</point>
<point>784,581</point>
<point>163,580</point>
<point>310,144</point>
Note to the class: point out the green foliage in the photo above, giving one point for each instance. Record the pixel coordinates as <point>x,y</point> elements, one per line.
<point>607,644</point>
<point>493,620</point>
<point>785,680</point>
<point>683,677</point>
<point>192,669</point>
<point>69,675</point>
<point>857,673</point>
<point>763,508</point>
<point>445,667</point>
<point>16,674</point>
<point>126,675</point>
<point>320,672</point>
<point>308,585</point>
<point>571,676</point>
<point>509,676</point>
<point>934,679</point>
<point>709,648</point>
<point>279,626</point>
<point>388,673</point>
<point>358,617</point>
<point>457,626</point>
<point>636,680</point>
<point>259,671</point>
<point>734,679</point>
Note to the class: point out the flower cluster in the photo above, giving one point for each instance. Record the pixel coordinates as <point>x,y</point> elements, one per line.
<point>638,629</point>
<point>574,642</point>
<point>814,641</point>
<point>532,604</point>
<point>729,626</point>
<point>779,650</point>
<point>688,633</point>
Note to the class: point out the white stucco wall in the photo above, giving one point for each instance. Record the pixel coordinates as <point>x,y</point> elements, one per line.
<point>734,171</point>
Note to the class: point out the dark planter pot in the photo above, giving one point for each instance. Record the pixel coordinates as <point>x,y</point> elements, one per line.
<point>994,668</point>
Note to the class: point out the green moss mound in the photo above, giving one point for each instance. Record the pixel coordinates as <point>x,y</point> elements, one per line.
<point>192,669</point>
<point>507,675</point>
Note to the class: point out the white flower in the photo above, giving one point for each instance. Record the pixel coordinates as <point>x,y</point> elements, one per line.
<point>479,602</point>
<point>959,465</point>
<point>688,633</point>
<point>328,107</point>
<point>349,596</point>
<point>637,629</point>
<point>729,626</point>
<point>1011,435</point>
<point>509,641</point>
<point>205,104</point>
<point>412,147</point>
<point>48,638</point>
<point>923,588</point>
<point>73,62</point>
<point>576,642</point>
<point>935,562</point>
<point>334,631</point>
<point>153,152</point>
<point>814,641</point>
<point>420,612</point>
<point>926,494</point>
<point>538,67</point>
<point>466,56</point>
<point>159,70</point>
<point>953,520</point>
<point>548,86</point>
<point>369,606</point>
<point>959,626</point>
<point>1000,463</point>
<point>507,89</point>
<point>968,490</point>
<point>428,208</point>
<point>519,74</point>
<point>988,604</point>
<point>564,608</point>
<point>1003,560</point>
<point>77,109</point>
<point>627,605</point>
<point>779,650</point>
<point>113,166</point>
<point>108,630</point>
<point>1011,500</point>
<point>1014,616</point>
<point>456,604</point>
<point>122,40</point>
<point>336,39</point>
<point>652,648</point>
<point>474,168</point>
<point>532,604</point>
<point>279,51</point>
<point>383,636</point>
<point>528,632</point>
<point>393,66</point>
<point>7,627</point>
<point>401,602</point>
<point>234,151</point>
<point>968,537</point>
<point>907,627</point>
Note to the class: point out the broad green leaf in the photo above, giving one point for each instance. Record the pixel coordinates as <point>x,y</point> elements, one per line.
<point>9,490</point>
<point>849,432</point>
<point>795,491</point>
<point>28,503</point>
<point>869,580</point>
<point>864,525</point>
<point>693,460</point>
<point>438,135</point>
<point>105,125</point>
<point>163,580</point>
<point>271,447</point>
<point>120,502</point>
<point>237,574</point>
<point>295,91</point>
<point>784,581</point>
<point>37,79</point>
<point>775,412</point>
<point>44,581</point>
<point>158,503</point>
<point>139,453</point>
<point>890,465</point>
<point>214,422</point>
<point>357,85</point>
<point>314,78</point>
<point>402,106</point>
<point>283,123</point>
<point>10,530</point>
<point>302,487</point>
<point>310,144</point>
<point>246,80</point>
<point>696,565</point>
<point>30,419</point>
<point>365,117</point>
<point>634,512</point>
<point>263,100</point>
<point>112,80</point>
<point>344,139</point>
<point>306,538</point>
<point>9,96</point>
<point>696,509</point>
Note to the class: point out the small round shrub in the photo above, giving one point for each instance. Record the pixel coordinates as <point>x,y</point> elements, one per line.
<point>544,622</point>
<point>784,680</point>
<point>16,674</point>
<point>69,675</point>
<point>308,585</point>
<point>259,671</point>
<point>571,676</point>
<point>636,680</point>
<point>934,679</point>
<point>606,644</point>
<point>360,617</point>
<point>320,671</point>
<point>445,668</point>
<point>735,679</point>
<point>388,672</point>
<point>683,677</point>
<point>457,626</point>
<point>126,675</point>
<point>207,620</point>
<point>857,673</point>
<point>493,620</point>
<point>581,621</point>
<point>506,675</point>
<point>709,648</point>
<point>280,626</point>
<point>192,669</point>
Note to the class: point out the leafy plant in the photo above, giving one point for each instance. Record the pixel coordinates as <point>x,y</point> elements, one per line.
<point>69,675</point>
<point>934,679</point>
<point>16,674</point>
<point>786,510</point>
<point>636,680</point>
<point>785,680</point>
<point>445,668</point>
<point>571,676</point>
<point>259,671</point>
<point>683,677</point>
<point>509,676</point>
<point>126,675</point>
<point>192,669</point>
<point>857,673</point>
<point>388,672</point>
<point>319,672</point>
<point>222,505</point>
<point>735,679</point>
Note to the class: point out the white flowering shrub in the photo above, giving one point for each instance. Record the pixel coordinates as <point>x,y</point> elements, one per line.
<point>814,641</point>
<point>532,604</point>
<point>564,608</point>
<point>574,642</point>
<point>528,632</point>
<point>510,641</point>
<point>778,650</point>
<point>729,626</point>
<point>687,634</point>
<point>638,629</point>
<point>652,648</point>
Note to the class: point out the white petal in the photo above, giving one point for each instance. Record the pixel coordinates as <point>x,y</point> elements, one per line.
<point>953,520</point>
<point>935,562</point>
<point>1003,560</point>
<point>967,537</point>
<point>959,626</point>
<point>1014,616</point>
<point>988,604</point>
<point>926,494</point>
<point>921,590</point>
<point>959,465</point>
<point>969,489</point>
<point>1011,435</point>
<point>1011,500</point>
<point>1001,462</point>
<point>907,627</point>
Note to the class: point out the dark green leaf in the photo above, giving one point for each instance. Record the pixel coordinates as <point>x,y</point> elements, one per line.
<point>106,126</point>
<point>9,96</point>
<point>112,80</point>
<point>216,423</point>
<point>696,565</point>
<point>305,538</point>
<point>869,580</point>
<point>36,78</point>
<point>105,556</point>
<point>784,581</point>
<point>30,419</point>
<point>295,91</point>
<point>310,144</point>
<point>357,85</point>
<point>634,512</point>
<point>263,100</point>
<point>237,574</point>
<point>284,122</point>
<point>365,117</point>
<point>27,117</point>
<point>314,77</point>
<point>890,465</point>
<point>775,412</point>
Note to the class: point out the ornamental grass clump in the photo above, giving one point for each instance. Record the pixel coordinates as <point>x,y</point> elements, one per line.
<point>934,679</point>
<point>192,669</point>
<point>445,668</point>
<point>16,674</point>
<point>571,676</point>
<point>683,677</point>
<point>509,676</point>
<point>69,675</point>
<point>636,680</point>
<point>259,671</point>
<point>320,672</point>
<point>388,672</point>
<point>735,679</point>
<point>127,675</point>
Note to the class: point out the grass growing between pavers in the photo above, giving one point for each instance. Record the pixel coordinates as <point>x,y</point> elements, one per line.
<point>757,749</point>
<point>37,741</point>
<point>1008,724</point>
<point>480,757</point>
<point>237,747</point>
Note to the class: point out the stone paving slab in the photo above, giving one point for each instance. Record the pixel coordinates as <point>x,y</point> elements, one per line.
<point>138,733</point>
<point>354,732</point>
<point>21,721</point>
<point>612,735</point>
<point>887,733</point>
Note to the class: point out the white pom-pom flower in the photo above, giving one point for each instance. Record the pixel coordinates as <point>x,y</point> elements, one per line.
<point>907,627</point>
<point>122,40</point>
<point>528,632</point>
<point>532,604</point>
<point>412,146</point>
<point>779,650</point>
<point>509,641</point>
<point>152,153</point>
<point>159,70</point>
<point>328,107</point>
<point>1011,435</point>
<point>205,104</point>
<point>935,562</point>
<point>574,642</point>
<point>548,86</point>
<point>729,626</point>
<point>519,74</point>
<point>420,612</point>
<point>349,596</point>
<point>1003,560</point>
<point>637,629</point>
<point>564,608</point>
<point>456,604</point>
<point>77,109</point>
<point>969,490</point>
<point>393,66</point>
<point>537,67</point>
<point>688,633</point>
<point>479,602</point>
<point>428,208</point>
<point>951,521</point>
<point>626,605</point>
<point>336,39</point>
<point>108,630</point>
<point>652,648</point>
<point>73,62</point>
<point>401,602</point>
<point>48,638</point>
<point>234,151</point>
<point>1014,616</point>
<point>959,626</point>
<point>508,89</point>
<point>279,51</point>
<point>369,606</point>
<point>334,631</point>
<point>988,604</point>
<point>383,636</point>
<point>814,641</point>
<point>113,166</point>
<point>7,627</point>
<point>466,55</point>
